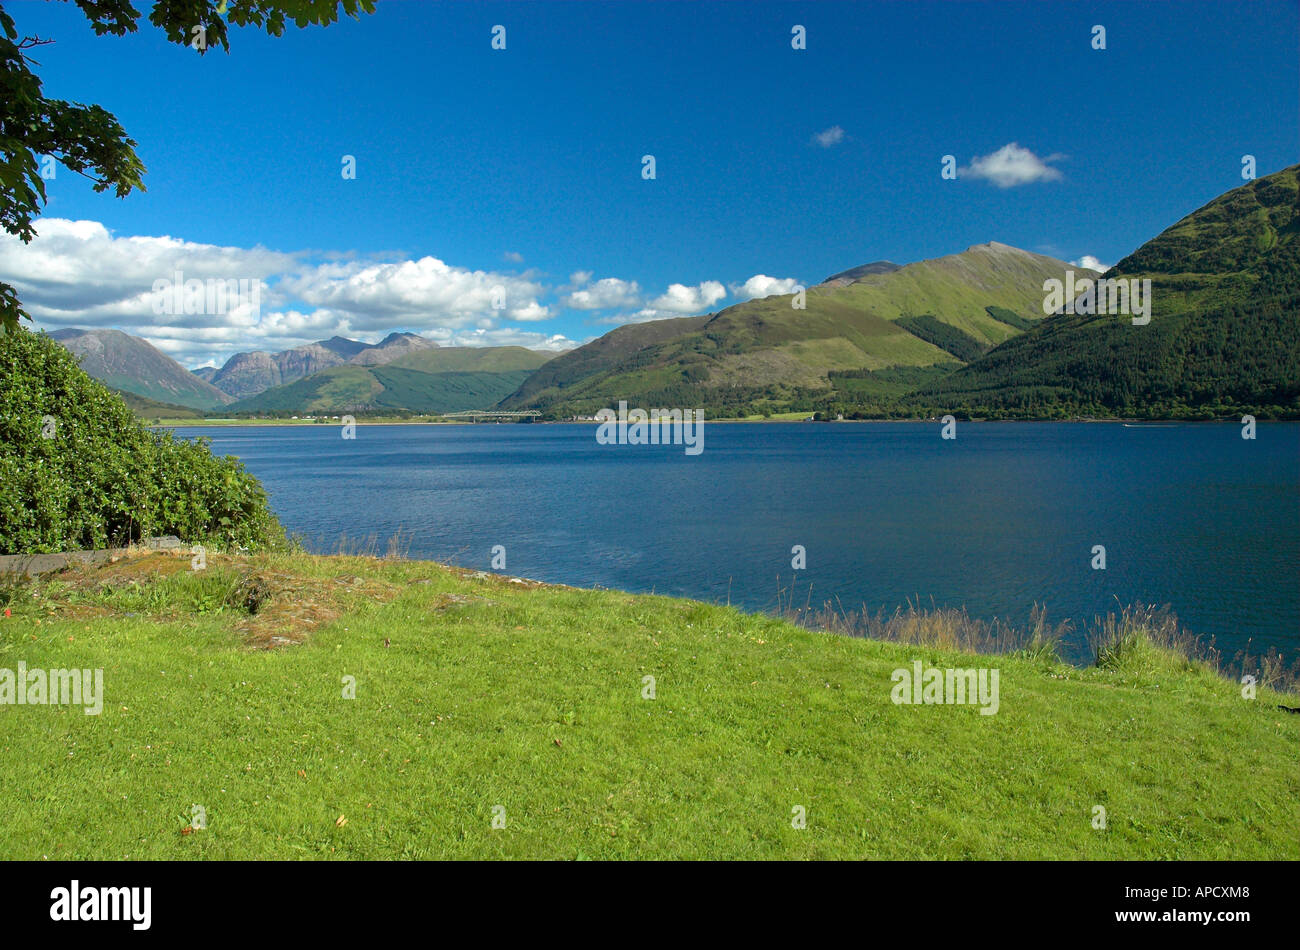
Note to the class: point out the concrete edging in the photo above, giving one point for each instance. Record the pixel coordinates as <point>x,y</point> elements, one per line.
<point>32,565</point>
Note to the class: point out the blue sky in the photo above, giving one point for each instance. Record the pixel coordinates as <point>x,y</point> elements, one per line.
<point>521,168</point>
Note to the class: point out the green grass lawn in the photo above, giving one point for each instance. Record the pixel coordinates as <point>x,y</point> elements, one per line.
<point>499,693</point>
<point>774,417</point>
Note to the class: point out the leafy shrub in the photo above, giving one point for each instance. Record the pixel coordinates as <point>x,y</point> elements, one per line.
<point>78,471</point>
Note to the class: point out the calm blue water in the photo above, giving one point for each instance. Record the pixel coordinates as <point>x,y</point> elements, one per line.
<point>1192,516</point>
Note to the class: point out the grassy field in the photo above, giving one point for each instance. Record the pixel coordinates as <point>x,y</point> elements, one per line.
<point>774,417</point>
<point>224,688</point>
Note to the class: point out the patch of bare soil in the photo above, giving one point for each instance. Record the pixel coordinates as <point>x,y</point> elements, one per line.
<point>284,608</point>
<point>272,607</point>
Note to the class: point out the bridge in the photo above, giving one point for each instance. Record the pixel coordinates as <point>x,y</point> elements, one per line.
<point>498,415</point>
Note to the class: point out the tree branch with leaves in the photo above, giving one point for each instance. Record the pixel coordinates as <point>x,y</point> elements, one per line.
<point>88,139</point>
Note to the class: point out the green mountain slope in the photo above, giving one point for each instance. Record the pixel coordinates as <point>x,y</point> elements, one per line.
<point>1224,335</point>
<point>599,357</point>
<point>444,379</point>
<point>764,353</point>
<point>133,365</point>
<point>472,359</point>
<point>147,410</point>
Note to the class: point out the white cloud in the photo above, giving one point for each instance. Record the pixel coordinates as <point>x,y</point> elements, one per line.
<point>760,285</point>
<point>829,137</point>
<point>680,299</point>
<point>1012,165</point>
<point>77,273</point>
<point>530,312</point>
<point>513,257</point>
<point>76,270</point>
<point>603,294</point>
<point>505,336</point>
<point>1091,263</point>
<point>423,293</point>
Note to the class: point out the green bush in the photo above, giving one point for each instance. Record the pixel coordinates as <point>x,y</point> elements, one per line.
<point>78,471</point>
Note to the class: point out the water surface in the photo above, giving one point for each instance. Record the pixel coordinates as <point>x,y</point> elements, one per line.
<point>1002,517</point>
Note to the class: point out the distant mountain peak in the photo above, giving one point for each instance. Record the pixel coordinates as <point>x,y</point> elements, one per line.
<point>340,346</point>
<point>862,270</point>
<point>135,365</point>
<point>391,347</point>
<point>248,373</point>
<point>402,335</point>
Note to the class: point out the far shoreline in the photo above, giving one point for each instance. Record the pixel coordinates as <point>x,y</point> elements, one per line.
<point>289,424</point>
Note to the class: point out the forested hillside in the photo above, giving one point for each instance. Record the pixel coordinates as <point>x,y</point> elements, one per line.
<point>1223,339</point>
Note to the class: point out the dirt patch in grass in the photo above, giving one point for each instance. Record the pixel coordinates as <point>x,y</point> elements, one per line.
<point>132,566</point>
<point>282,608</point>
<point>269,606</point>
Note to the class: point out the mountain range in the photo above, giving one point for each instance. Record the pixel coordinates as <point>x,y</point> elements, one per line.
<point>439,379</point>
<point>248,374</point>
<point>965,333</point>
<point>923,319</point>
<point>403,372</point>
